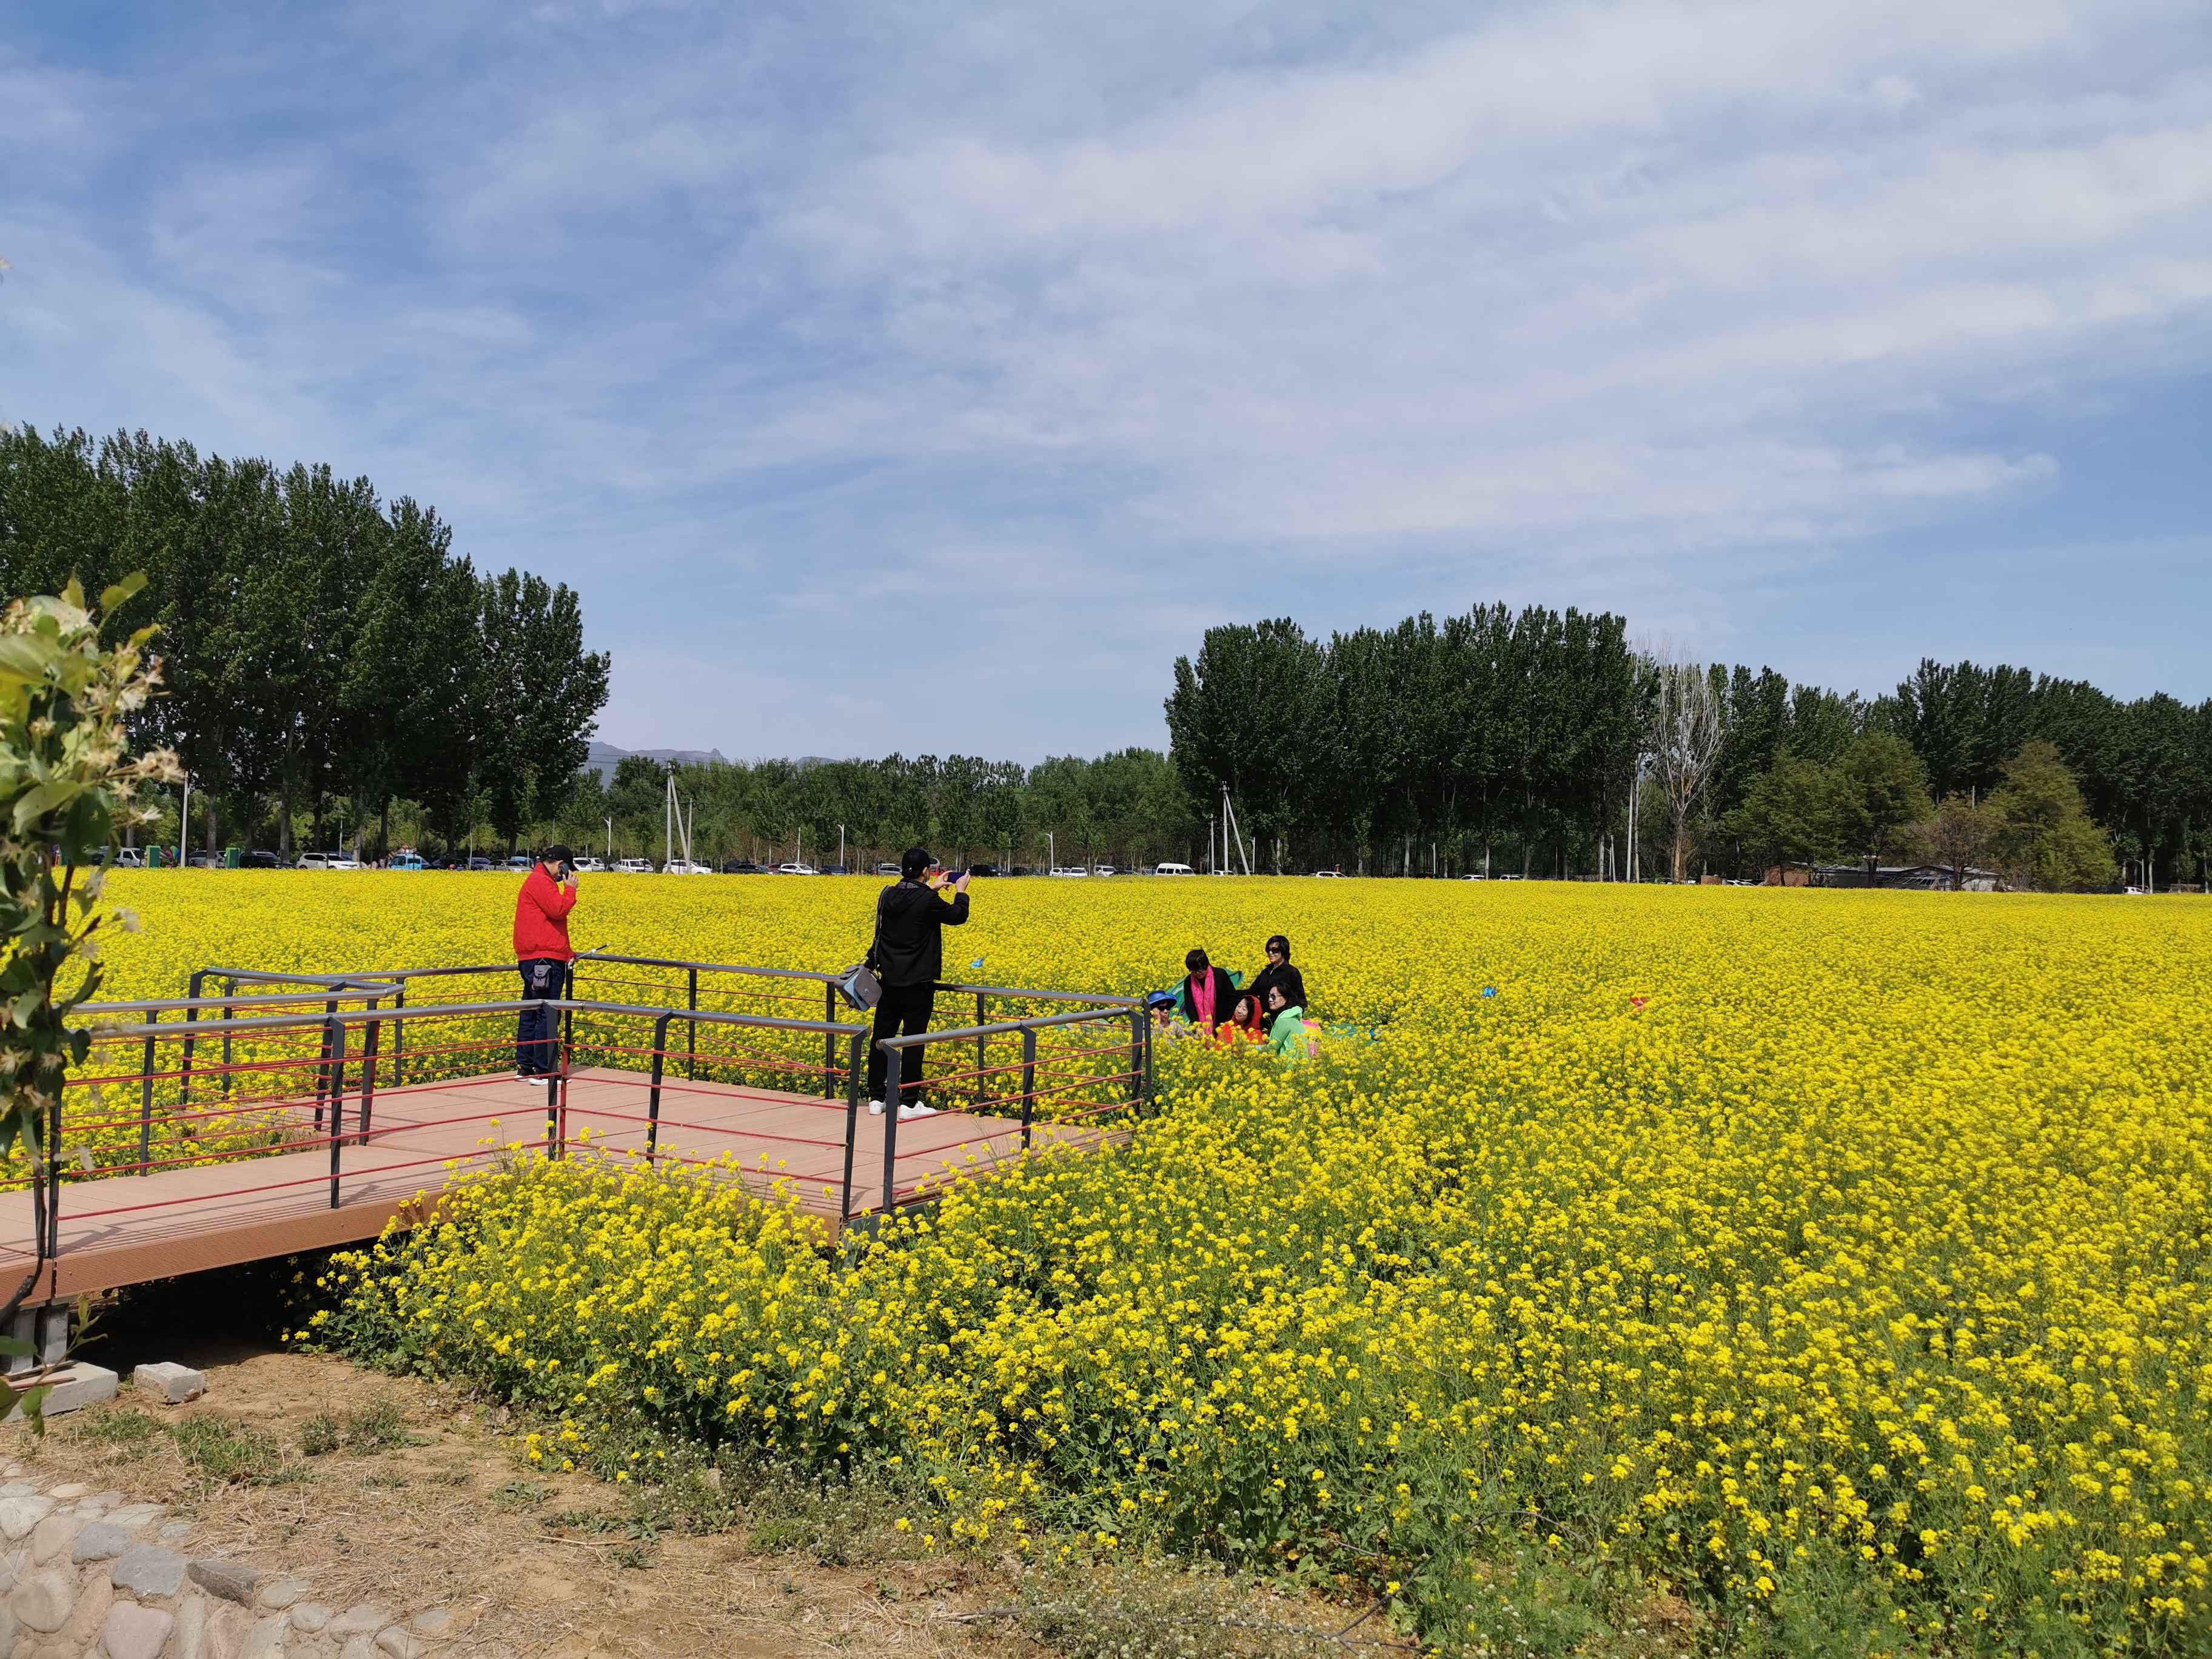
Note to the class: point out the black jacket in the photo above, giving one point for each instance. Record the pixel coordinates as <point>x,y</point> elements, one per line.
<point>909,947</point>
<point>1287,976</point>
<point>1224,998</point>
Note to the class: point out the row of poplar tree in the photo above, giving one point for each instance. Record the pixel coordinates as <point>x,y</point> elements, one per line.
<point>325,653</point>
<point>328,656</point>
<point>1514,741</point>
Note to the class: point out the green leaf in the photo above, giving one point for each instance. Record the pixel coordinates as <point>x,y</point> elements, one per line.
<point>25,656</point>
<point>16,1347</point>
<point>122,590</point>
<point>41,800</point>
<point>33,1402</point>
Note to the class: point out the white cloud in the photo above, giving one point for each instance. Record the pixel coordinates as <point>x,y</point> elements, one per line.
<point>723,316</point>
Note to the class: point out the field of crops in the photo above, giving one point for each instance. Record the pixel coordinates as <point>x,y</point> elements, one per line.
<point>1837,1259</point>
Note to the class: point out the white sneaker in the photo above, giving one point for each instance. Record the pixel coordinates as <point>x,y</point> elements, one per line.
<point>875,1109</point>
<point>907,1114</point>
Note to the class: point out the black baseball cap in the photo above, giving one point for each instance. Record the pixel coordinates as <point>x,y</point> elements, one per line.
<point>557,853</point>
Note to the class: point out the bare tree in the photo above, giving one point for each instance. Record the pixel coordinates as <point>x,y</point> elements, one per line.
<point>1682,741</point>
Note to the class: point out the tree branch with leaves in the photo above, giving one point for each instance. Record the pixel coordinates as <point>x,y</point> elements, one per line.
<point>68,782</point>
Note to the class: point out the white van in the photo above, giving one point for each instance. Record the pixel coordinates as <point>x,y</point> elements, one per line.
<point>1172,870</point>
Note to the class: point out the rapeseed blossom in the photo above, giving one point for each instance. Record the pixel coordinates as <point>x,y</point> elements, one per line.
<point>1782,1245</point>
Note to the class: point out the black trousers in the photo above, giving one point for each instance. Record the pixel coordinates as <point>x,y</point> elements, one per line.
<point>536,1053</point>
<point>904,1010</point>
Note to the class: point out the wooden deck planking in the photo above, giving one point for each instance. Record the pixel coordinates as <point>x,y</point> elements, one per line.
<point>125,1230</point>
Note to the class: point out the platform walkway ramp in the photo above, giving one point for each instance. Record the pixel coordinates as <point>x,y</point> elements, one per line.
<point>266,1113</point>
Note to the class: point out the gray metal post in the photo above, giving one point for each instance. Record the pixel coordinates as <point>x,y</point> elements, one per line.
<point>229,990</point>
<point>652,1098</point>
<point>829,1067</point>
<point>1029,1081</point>
<point>1137,1018</point>
<point>981,1019</point>
<point>692,1033</point>
<point>146,1104</point>
<point>368,1072</point>
<point>855,1059</point>
<point>334,1045</point>
<point>192,1018</point>
<point>399,1039</point>
<point>896,1059</point>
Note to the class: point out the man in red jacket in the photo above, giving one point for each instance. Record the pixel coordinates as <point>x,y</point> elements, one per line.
<point>542,952</point>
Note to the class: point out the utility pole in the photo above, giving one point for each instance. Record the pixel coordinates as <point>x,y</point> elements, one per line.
<point>610,842</point>
<point>840,847</point>
<point>185,826</point>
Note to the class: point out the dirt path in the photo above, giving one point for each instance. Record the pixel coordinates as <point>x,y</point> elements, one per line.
<point>529,1562</point>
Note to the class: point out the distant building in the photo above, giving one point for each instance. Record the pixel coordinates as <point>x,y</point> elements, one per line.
<point>1925,878</point>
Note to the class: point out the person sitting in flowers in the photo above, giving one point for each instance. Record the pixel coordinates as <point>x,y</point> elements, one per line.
<point>1287,1031</point>
<point>1206,992</point>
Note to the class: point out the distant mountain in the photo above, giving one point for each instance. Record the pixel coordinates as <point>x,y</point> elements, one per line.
<point>605,757</point>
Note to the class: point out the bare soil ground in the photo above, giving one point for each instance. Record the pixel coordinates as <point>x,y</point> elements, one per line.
<point>454,1518</point>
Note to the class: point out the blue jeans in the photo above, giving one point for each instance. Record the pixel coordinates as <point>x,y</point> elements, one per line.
<point>536,1053</point>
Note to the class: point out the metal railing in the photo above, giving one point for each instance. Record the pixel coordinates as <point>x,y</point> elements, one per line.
<point>315,1061</point>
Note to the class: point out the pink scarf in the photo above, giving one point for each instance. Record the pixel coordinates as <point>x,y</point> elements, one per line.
<point>1201,997</point>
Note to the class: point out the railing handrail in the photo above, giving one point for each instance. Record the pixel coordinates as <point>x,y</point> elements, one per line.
<point>712,967</point>
<point>1037,1022</point>
<point>351,989</point>
<point>450,1010</point>
<point>1099,999</point>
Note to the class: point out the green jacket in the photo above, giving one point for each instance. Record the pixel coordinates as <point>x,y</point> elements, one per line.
<point>1287,1035</point>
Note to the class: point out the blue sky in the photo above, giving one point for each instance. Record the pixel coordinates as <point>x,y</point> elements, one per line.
<point>928,377</point>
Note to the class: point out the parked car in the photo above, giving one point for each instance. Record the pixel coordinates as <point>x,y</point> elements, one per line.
<point>1337,873</point>
<point>1172,870</point>
<point>1071,869</point>
<point>520,861</point>
<point>740,867</point>
<point>588,866</point>
<point>983,870</point>
<point>408,859</point>
<point>315,861</point>
<point>797,869</point>
<point>479,862</point>
<point>633,867</point>
<point>260,860</point>
<point>686,867</point>
<point>887,869</point>
<point>1020,870</point>
<point>1104,870</point>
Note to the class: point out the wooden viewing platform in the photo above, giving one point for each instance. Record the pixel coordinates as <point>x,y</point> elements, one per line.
<point>129,1228</point>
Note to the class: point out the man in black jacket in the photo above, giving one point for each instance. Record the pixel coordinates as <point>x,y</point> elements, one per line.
<point>907,958</point>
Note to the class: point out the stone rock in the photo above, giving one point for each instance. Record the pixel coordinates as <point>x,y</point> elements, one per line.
<point>99,1541</point>
<point>42,1601</point>
<point>172,1531</point>
<point>134,1632</point>
<point>169,1383</point>
<point>74,1388</point>
<point>399,1644</point>
<point>17,1489</point>
<point>189,1639</point>
<point>107,1500</point>
<point>361,1646</point>
<point>266,1640</point>
<point>149,1571</point>
<point>433,1622</point>
<point>92,1602</point>
<point>231,1580</point>
<point>68,1489</point>
<point>364,1619</point>
<point>137,1517</point>
<point>310,1616</point>
<point>279,1593</point>
<point>19,1516</point>
<point>227,1627</point>
<point>6,1630</point>
<point>52,1537</point>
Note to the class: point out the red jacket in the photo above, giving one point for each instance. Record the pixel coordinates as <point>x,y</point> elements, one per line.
<point>541,917</point>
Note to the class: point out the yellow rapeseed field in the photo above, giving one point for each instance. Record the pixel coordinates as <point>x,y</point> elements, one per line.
<point>1837,1259</point>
